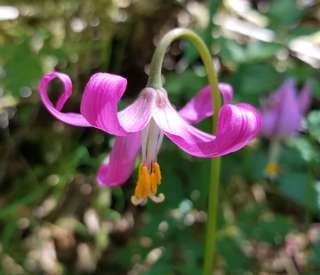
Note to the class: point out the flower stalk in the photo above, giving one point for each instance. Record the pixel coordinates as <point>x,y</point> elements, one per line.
<point>272,169</point>
<point>155,81</point>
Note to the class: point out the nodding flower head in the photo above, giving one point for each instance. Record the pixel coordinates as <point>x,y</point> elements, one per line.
<point>144,123</point>
<point>282,116</point>
<point>282,113</point>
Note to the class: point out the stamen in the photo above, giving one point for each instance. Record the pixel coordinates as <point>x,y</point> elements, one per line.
<point>147,185</point>
<point>157,199</point>
<point>154,183</point>
<point>135,201</point>
<point>157,171</point>
<point>272,169</point>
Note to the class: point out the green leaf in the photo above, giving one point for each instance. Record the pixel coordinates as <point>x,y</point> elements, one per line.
<point>23,201</point>
<point>313,120</point>
<point>300,188</point>
<point>235,260</point>
<point>231,52</point>
<point>284,13</point>
<point>303,30</point>
<point>260,51</point>
<point>191,252</point>
<point>23,68</point>
<point>256,222</point>
<point>307,150</point>
<point>255,80</point>
<point>273,230</point>
<point>185,84</point>
<point>314,256</point>
<point>160,268</point>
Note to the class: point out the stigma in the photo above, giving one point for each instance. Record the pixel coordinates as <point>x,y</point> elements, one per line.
<point>272,169</point>
<point>147,185</point>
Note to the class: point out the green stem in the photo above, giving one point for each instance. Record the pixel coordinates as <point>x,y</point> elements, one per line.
<point>155,81</point>
<point>274,150</point>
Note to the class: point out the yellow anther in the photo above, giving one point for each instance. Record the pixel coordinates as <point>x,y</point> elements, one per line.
<point>147,185</point>
<point>143,182</point>
<point>154,183</point>
<point>272,169</point>
<point>157,171</point>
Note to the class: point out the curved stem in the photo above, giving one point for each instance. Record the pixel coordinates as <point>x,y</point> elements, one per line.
<point>155,81</point>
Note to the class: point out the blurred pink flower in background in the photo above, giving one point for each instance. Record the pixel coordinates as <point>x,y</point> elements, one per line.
<point>282,113</point>
<point>282,116</point>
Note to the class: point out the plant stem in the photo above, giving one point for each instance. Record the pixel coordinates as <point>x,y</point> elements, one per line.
<point>155,81</point>
<point>212,217</point>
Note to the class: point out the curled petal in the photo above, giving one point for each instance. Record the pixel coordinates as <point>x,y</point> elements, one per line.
<point>100,100</point>
<point>237,126</point>
<point>120,164</point>
<point>68,118</point>
<point>200,106</point>
<point>227,92</point>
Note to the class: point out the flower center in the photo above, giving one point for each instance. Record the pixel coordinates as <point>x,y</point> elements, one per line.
<point>149,176</point>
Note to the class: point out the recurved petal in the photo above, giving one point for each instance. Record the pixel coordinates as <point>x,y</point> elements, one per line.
<point>68,118</point>
<point>200,106</point>
<point>237,126</point>
<point>120,163</point>
<point>290,117</point>
<point>269,122</point>
<point>100,100</point>
<point>281,113</point>
<point>304,99</point>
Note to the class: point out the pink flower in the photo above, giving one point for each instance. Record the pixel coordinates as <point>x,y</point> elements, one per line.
<point>283,111</point>
<point>281,117</point>
<point>144,123</point>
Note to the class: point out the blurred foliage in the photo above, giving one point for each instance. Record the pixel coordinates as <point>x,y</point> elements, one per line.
<point>55,219</point>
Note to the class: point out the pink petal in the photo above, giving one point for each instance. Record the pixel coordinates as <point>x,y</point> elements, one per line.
<point>304,99</point>
<point>121,162</point>
<point>68,118</point>
<point>100,100</point>
<point>281,116</point>
<point>290,118</point>
<point>200,106</point>
<point>268,122</point>
<point>237,126</point>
